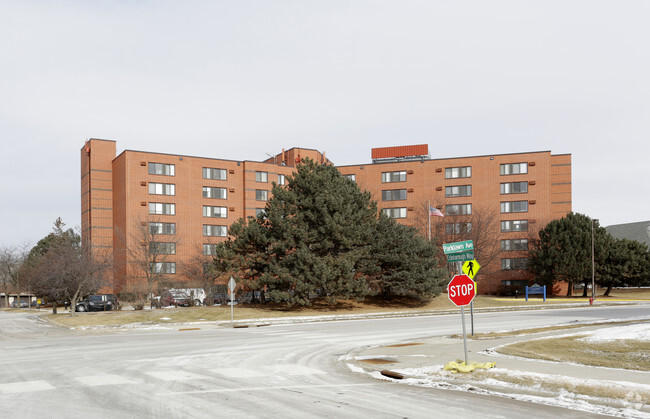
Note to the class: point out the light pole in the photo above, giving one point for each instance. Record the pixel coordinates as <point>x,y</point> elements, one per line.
<point>593,264</point>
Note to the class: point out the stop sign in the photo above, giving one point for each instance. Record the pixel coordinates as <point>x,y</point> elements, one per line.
<point>461,290</point>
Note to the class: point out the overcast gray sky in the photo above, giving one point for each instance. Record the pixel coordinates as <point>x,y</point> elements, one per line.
<point>239,79</point>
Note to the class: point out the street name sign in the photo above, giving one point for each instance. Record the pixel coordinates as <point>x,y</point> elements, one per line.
<point>460,257</point>
<point>458,247</point>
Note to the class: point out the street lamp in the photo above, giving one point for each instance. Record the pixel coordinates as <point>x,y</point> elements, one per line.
<point>593,264</point>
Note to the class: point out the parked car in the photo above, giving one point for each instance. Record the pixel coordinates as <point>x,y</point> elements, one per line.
<point>99,302</point>
<point>175,298</point>
<point>216,299</point>
<point>23,304</point>
<point>196,295</point>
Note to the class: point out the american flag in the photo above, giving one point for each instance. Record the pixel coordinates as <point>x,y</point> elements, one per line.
<point>435,212</point>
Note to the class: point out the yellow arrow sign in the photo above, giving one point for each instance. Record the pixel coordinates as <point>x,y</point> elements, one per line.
<point>471,267</point>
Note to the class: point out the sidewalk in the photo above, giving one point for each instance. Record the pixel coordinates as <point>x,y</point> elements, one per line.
<point>420,363</point>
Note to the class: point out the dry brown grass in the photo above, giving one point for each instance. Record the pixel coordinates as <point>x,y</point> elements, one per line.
<point>618,294</point>
<point>626,354</point>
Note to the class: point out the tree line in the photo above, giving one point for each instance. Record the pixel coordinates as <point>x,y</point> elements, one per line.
<point>320,236</point>
<point>562,251</point>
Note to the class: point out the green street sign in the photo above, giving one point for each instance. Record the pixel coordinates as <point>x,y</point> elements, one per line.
<point>458,247</point>
<point>460,257</point>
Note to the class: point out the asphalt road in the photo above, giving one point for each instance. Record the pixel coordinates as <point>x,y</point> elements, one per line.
<point>288,371</point>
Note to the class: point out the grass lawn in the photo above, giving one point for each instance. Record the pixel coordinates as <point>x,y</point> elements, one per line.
<point>626,354</point>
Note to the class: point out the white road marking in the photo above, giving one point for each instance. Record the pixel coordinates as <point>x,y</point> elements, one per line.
<point>292,369</point>
<point>176,375</point>
<point>248,389</point>
<point>25,387</point>
<point>239,372</point>
<point>103,380</point>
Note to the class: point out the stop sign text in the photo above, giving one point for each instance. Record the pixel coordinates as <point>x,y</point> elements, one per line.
<point>461,290</point>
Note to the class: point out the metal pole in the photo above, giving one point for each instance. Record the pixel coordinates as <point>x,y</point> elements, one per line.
<point>462,315</point>
<point>471,315</point>
<point>232,308</point>
<point>593,265</point>
<point>471,305</point>
<point>429,217</point>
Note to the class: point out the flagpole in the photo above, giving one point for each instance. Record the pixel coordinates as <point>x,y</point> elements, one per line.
<point>429,218</point>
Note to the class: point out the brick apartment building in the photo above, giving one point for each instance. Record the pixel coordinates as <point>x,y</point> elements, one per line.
<point>189,202</point>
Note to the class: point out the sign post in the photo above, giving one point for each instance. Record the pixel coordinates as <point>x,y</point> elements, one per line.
<point>463,254</point>
<point>461,291</point>
<point>231,287</point>
<point>470,268</point>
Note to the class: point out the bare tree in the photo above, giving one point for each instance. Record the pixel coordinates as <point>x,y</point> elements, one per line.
<point>11,270</point>
<point>147,255</point>
<point>61,269</point>
<point>200,270</point>
<point>481,226</point>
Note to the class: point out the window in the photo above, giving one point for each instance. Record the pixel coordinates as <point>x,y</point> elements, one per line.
<point>460,209</point>
<point>159,208</point>
<point>514,206</point>
<point>161,169</point>
<point>216,212</point>
<point>261,195</point>
<point>458,228</point>
<point>514,187</point>
<point>514,264</point>
<point>214,231</point>
<point>214,193</point>
<point>163,267</point>
<point>393,195</point>
<point>162,188</point>
<point>162,248</point>
<point>209,249</point>
<point>456,172</point>
<point>514,168</point>
<point>514,244</point>
<point>353,178</point>
<point>162,228</point>
<point>217,174</point>
<point>259,211</point>
<point>282,180</point>
<point>514,225</point>
<point>388,177</point>
<point>261,177</point>
<point>395,212</point>
<point>451,191</point>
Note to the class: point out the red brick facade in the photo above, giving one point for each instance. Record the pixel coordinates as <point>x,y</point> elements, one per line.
<point>116,196</point>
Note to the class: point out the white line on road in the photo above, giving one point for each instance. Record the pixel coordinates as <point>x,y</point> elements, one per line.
<point>226,390</point>
<point>176,375</point>
<point>103,380</point>
<point>25,387</point>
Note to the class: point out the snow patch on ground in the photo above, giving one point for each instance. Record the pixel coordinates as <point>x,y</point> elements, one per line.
<point>436,377</point>
<point>631,332</point>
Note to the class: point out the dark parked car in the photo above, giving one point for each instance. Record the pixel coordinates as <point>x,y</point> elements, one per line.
<point>100,302</point>
<point>175,298</point>
<point>216,299</point>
